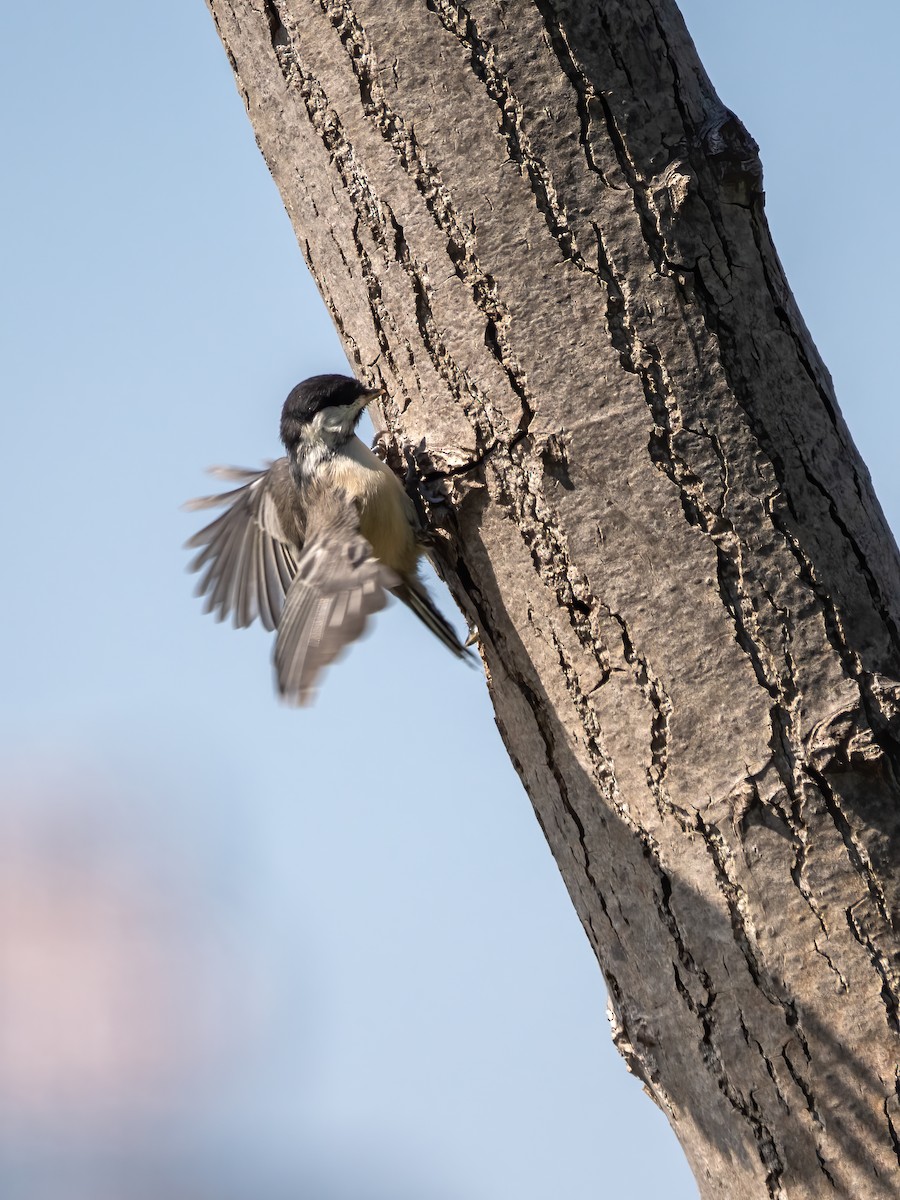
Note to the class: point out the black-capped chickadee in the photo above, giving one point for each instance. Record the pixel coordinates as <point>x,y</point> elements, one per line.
<point>313,544</point>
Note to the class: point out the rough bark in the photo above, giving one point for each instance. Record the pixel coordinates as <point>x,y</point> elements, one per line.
<point>545,231</point>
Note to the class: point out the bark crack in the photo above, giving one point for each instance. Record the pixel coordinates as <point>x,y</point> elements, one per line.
<point>377,217</point>
<point>458,21</point>
<point>747,1108</point>
<point>461,239</point>
<point>890,987</point>
<point>585,93</point>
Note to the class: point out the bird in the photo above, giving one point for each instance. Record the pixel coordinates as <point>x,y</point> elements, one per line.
<point>314,544</point>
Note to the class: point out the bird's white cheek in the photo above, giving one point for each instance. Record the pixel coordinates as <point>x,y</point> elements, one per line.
<point>331,425</point>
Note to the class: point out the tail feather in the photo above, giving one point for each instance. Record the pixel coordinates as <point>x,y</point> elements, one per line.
<point>415,597</point>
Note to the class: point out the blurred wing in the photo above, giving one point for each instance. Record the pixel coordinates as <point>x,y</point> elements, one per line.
<point>338,585</point>
<point>246,556</point>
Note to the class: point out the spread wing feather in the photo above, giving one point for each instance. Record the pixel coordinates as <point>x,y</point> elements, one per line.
<point>247,556</point>
<point>338,585</point>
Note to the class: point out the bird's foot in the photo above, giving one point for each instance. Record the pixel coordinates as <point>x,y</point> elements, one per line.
<point>383,446</point>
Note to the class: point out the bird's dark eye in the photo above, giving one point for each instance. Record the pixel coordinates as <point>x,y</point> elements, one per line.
<point>344,395</point>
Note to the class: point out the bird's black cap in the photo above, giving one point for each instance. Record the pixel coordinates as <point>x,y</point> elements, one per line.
<point>321,391</point>
<point>313,395</point>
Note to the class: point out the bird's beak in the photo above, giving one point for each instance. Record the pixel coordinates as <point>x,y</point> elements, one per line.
<point>370,393</point>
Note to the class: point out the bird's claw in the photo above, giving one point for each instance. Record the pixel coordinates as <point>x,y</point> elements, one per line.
<point>432,497</point>
<point>382,445</point>
<point>406,462</point>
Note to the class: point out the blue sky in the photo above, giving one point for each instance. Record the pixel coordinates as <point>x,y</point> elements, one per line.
<point>369,934</point>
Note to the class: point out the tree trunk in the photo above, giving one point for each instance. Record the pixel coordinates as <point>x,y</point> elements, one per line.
<point>538,225</point>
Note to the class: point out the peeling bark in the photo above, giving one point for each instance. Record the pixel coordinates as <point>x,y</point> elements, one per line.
<point>539,226</point>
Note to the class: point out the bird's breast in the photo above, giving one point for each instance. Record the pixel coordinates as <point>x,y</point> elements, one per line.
<point>386,514</point>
